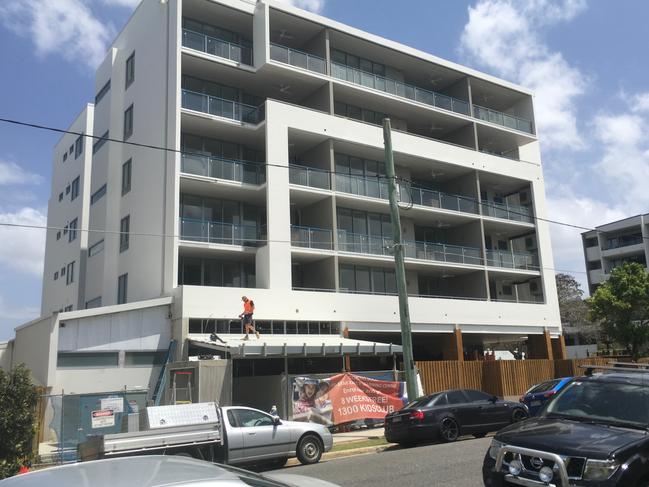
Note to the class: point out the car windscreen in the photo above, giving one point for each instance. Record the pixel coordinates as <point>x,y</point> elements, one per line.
<point>602,401</point>
<point>543,387</point>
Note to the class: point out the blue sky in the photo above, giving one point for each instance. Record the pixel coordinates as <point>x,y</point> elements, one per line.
<point>586,61</point>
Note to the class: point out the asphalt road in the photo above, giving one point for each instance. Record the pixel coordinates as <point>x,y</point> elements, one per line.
<point>457,464</point>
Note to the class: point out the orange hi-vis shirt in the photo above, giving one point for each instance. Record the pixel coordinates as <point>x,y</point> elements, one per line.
<point>248,308</point>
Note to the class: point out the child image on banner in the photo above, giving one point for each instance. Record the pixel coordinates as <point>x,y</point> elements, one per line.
<point>310,401</point>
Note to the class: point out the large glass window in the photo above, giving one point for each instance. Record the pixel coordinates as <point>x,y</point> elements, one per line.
<point>124,230</point>
<point>213,272</point>
<point>69,273</point>
<point>87,359</point>
<point>130,70</point>
<point>78,146</point>
<point>362,279</point>
<point>126,176</point>
<point>72,230</point>
<point>74,190</point>
<point>134,359</point>
<point>128,122</point>
<point>122,289</point>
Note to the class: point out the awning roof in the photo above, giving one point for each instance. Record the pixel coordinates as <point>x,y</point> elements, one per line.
<point>273,346</point>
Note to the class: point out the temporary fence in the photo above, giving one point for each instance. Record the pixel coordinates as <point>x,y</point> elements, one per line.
<point>499,377</point>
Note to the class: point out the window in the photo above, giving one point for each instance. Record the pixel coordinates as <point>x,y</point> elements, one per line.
<point>96,248</point>
<point>72,234</point>
<point>58,235</point>
<point>455,397</point>
<point>594,265</point>
<point>62,271</point>
<point>61,196</point>
<point>93,303</point>
<point>122,288</point>
<point>477,396</point>
<point>87,359</point>
<point>130,70</point>
<point>248,418</point>
<point>65,156</point>
<point>67,189</point>
<point>56,275</point>
<point>124,227</point>
<point>508,290</point>
<point>126,176</point>
<point>65,230</point>
<point>78,146</point>
<point>100,143</point>
<point>543,387</point>
<point>69,273</point>
<point>71,150</point>
<point>67,308</point>
<point>232,419</point>
<point>97,195</point>
<point>102,92</point>
<point>144,358</point>
<point>128,122</point>
<point>74,192</point>
<point>591,242</point>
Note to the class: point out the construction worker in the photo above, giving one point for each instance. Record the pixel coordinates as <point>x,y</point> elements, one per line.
<point>246,316</point>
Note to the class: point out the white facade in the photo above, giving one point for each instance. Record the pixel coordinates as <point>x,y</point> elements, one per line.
<point>277,193</point>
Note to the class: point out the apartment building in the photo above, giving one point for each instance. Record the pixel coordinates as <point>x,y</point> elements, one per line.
<point>252,164</point>
<point>612,244</point>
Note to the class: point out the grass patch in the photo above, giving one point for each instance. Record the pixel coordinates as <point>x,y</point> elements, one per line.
<point>352,445</point>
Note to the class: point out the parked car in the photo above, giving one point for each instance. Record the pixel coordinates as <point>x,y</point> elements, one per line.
<point>153,471</point>
<point>448,415</point>
<point>235,435</point>
<point>594,432</point>
<point>537,395</point>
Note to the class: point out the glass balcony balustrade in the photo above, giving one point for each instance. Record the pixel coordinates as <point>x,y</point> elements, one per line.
<point>500,118</point>
<point>622,241</point>
<point>221,107</point>
<point>311,237</point>
<point>508,212</point>
<point>298,58</point>
<point>219,168</point>
<point>398,88</point>
<point>212,232</point>
<point>513,260</point>
<point>217,47</point>
<point>309,176</point>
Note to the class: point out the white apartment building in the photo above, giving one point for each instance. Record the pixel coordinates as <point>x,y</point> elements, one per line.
<point>272,187</point>
<point>612,244</point>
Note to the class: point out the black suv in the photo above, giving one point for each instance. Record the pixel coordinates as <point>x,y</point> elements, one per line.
<point>595,432</point>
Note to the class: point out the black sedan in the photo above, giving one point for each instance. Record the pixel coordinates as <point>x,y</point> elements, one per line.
<point>450,414</point>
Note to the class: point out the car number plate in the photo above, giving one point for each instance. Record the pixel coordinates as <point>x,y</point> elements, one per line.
<point>396,419</point>
<point>535,403</point>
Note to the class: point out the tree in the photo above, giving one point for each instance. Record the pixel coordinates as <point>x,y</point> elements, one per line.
<point>622,303</point>
<point>574,311</point>
<point>17,419</point>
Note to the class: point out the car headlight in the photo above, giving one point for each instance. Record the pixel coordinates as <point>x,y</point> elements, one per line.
<point>495,448</point>
<point>599,469</point>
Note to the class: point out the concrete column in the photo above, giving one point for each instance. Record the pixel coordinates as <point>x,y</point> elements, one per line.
<point>453,347</point>
<point>348,361</point>
<point>559,348</point>
<point>540,346</point>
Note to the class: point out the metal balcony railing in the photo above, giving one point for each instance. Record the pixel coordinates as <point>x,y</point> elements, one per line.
<point>217,47</point>
<point>298,58</point>
<point>221,107</point>
<point>372,187</point>
<point>398,88</point>
<point>309,176</point>
<point>507,211</point>
<point>221,233</point>
<point>311,237</point>
<point>219,168</point>
<point>500,118</point>
<point>437,199</point>
<point>513,260</point>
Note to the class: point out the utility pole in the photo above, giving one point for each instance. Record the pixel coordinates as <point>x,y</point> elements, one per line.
<point>404,313</point>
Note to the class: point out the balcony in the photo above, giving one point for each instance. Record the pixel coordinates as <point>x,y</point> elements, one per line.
<point>221,107</point>
<point>500,118</point>
<point>622,241</point>
<point>513,260</point>
<point>218,168</point>
<point>311,238</point>
<point>308,176</point>
<point>211,232</point>
<point>438,252</point>
<point>217,47</point>
<point>398,88</point>
<point>299,59</point>
<point>507,211</point>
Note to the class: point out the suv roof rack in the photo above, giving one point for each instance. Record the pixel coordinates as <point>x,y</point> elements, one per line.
<point>617,367</point>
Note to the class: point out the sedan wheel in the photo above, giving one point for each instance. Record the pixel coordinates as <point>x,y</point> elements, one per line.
<point>519,415</point>
<point>309,450</point>
<point>449,430</point>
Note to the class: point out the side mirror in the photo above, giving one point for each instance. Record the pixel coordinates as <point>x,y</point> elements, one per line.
<point>494,399</point>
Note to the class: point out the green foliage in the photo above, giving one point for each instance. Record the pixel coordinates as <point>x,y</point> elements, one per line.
<point>622,303</point>
<point>17,419</point>
<point>573,309</point>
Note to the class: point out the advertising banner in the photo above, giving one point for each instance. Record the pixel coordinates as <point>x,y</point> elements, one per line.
<point>345,398</point>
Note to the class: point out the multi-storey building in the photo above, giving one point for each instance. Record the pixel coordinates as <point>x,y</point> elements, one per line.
<point>612,244</point>
<point>252,164</point>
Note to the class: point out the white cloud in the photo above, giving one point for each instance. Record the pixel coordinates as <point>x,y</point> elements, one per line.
<point>503,36</point>
<point>122,3</point>
<point>23,249</point>
<point>640,102</point>
<point>312,5</point>
<point>65,27</point>
<point>12,173</point>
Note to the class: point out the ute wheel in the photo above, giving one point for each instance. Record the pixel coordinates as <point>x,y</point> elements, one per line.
<point>449,430</point>
<point>519,415</point>
<point>479,435</point>
<point>309,450</point>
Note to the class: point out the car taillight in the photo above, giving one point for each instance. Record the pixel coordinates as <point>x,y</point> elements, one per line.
<point>417,415</point>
